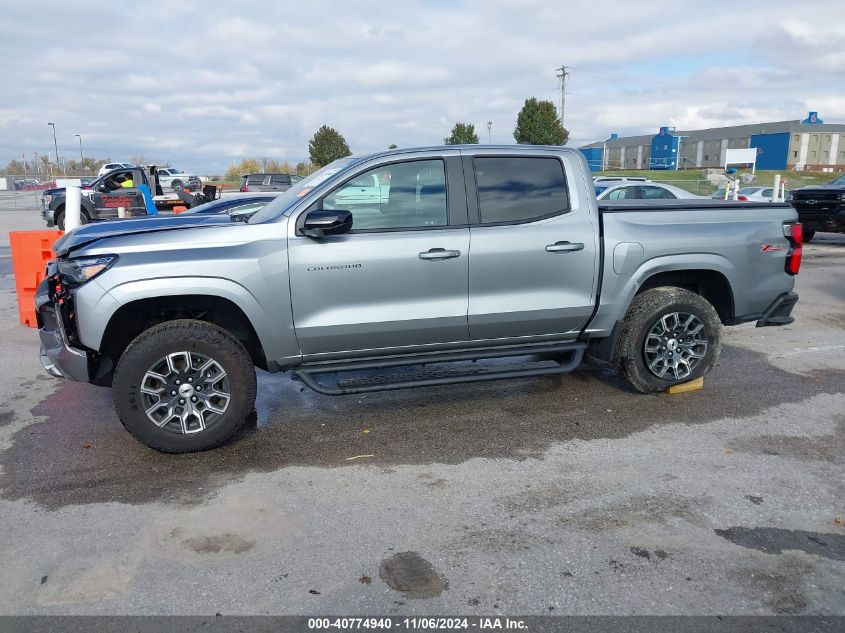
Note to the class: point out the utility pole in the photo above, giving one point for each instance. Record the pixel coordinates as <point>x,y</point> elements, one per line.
<point>55,145</point>
<point>81,158</point>
<point>489,132</point>
<point>562,74</point>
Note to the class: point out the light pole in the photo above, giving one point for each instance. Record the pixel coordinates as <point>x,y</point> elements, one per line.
<point>55,144</point>
<point>489,132</point>
<point>81,157</point>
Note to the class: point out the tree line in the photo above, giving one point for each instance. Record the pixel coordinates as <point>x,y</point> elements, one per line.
<point>536,124</point>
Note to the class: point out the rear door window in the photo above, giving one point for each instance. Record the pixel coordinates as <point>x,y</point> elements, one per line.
<point>280,179</point>
<point>624,193</point>
<point>657,193</point>
<point>520,189</point>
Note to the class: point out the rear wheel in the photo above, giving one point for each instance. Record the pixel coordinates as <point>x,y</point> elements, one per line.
<point>184,386</point>
<point>177,185</point>
<point>669,336</point>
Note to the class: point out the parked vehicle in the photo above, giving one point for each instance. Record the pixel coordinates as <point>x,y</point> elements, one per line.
<point>112,166</point>
<point>820,207</point>
<point>239,208</point>
<point>177,180</point>
<point>471,253</point>
<point>757,194</point>
<point>644,190</point>
<point>267,182</point>
<point>102,199</point>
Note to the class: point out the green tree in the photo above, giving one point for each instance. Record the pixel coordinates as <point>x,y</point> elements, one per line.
<point>392,146</point>
<point>462,134</point>
<point>326,146</point>
<point>538,124</point>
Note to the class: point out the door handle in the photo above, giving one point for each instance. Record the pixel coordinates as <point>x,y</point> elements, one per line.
<point>564,247</point>
<point>439,253</point>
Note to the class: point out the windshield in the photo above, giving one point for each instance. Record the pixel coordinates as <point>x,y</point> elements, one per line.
<point>839,181</point>
<point>292,195</point>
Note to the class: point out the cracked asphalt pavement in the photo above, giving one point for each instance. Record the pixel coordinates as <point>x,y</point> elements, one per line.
<point>564,495</point>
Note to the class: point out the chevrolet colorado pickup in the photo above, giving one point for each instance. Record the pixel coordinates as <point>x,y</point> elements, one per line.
<point>820,207</point>
<point>473,263</point>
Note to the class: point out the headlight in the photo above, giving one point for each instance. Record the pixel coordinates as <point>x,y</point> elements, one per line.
<point>48,199</point>
<point>790,196</point>
<point>78,271</point>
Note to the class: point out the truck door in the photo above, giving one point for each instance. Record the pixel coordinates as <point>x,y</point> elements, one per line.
<point>533,267</point>
<point>110,196</point>
<point>398,279</point>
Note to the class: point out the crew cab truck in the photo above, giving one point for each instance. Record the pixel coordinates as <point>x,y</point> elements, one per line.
<point>102,199</point>
<point>472,253</point>
<point>820,207</point>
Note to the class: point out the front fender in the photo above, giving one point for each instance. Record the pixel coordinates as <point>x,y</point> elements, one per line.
<point>277,338</point>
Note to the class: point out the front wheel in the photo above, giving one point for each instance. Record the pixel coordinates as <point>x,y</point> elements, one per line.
<point>184,386</point>
<point>60,219</point>
<point>177,186</point>
<point>669,336</point>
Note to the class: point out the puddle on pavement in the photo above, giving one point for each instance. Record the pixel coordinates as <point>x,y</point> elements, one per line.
<point>81,454</point>
<point>413,575</point>
<point>776,541</point>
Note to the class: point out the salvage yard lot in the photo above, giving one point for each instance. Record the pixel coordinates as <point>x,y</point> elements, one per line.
<point>555,495</point>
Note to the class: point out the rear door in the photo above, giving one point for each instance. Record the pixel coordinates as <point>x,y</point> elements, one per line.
<point>533,265</point>
<point>398,280</point>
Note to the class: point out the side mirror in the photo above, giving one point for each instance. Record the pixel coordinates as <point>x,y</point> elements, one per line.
<point>320,223</point>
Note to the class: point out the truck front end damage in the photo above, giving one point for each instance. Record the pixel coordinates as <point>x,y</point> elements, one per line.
<point>62,353</point>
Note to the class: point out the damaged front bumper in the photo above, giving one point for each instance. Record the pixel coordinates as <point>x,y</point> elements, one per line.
<point>57,356</point>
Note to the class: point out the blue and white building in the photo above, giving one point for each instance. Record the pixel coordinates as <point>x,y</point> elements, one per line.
<point>809,143</point>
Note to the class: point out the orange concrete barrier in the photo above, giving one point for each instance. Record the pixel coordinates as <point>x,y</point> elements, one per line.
<point>31,250</point>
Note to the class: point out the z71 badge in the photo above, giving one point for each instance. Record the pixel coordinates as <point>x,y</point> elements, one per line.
<point>768,248</point>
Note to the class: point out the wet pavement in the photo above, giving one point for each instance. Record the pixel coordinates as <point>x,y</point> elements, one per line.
<point>569,494</point>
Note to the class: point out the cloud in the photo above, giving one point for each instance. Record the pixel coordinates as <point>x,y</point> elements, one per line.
<point>200,88</point>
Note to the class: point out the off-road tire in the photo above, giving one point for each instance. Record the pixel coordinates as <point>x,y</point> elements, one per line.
<point>808,235</point>
<point>183,335</point>
<point>644,311</point>
<point>177,186</point>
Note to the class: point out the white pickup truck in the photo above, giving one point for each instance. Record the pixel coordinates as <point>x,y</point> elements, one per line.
<point>177,180</point>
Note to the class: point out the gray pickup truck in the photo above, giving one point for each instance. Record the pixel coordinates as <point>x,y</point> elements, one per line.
<point>473,263</point>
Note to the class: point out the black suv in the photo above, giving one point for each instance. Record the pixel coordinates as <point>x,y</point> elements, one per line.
<point>268,182</point>
<point>820,207</point>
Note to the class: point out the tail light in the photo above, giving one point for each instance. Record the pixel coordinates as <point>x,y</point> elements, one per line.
<point>244,188</point>
<point>794,233</point>
<point>742,198</point>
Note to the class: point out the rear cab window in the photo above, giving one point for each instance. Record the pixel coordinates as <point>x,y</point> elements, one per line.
<point>515,189</point>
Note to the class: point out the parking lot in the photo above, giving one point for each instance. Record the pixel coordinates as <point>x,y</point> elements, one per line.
<point>566,495</point>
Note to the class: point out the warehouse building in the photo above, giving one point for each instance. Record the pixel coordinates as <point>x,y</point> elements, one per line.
<point>806,144</point>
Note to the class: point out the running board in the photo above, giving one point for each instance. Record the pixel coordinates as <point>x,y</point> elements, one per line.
<point>416,371</point>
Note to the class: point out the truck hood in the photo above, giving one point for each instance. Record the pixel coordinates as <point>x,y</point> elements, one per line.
<point>827,187</point>
<point>101,230</point>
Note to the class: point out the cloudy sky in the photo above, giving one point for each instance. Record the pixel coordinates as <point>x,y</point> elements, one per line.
<point>201,84</point>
